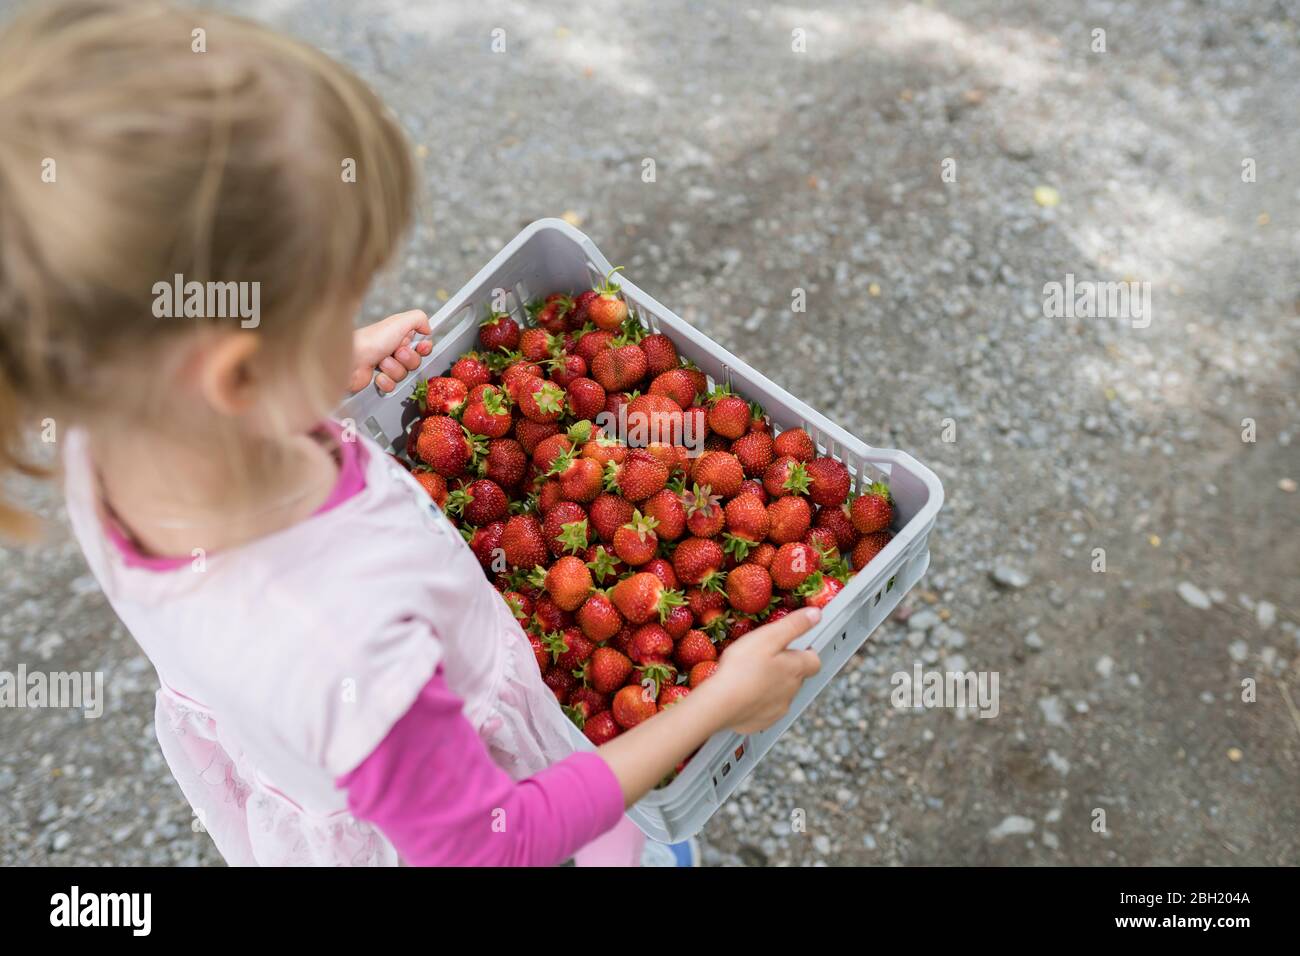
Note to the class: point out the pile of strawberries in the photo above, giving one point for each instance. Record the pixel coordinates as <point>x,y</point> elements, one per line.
<point>631,564</point>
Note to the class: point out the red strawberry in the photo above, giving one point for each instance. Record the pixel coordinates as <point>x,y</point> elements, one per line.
<point>729,416</point>
<point>541,401</point>
<point>870,546</point>
<point>618,369</point>
<point>608,514</point>
<point>594,700</point>
<point>678,622</point>
<point>739,628</point>
<point>433,483</point>
<point>498,331</point>
<point>642,596</point>
<point>720,470</point>
<point>608,670</point>
<point>444,446</point>
<point>715,442</point>
<point>754,450</point>
<point>702,672</point>
<point>758,420</point>
<point>819,590</point>
<point>786,476</point>
<point>523,542</point>
<point>541,653</point>
<point>561,682</point>
<point>638,477</point>
<point>695,428</point>
<point>653,418</point>
<point>440,396</point>
<point>705,603</point>
<point>789,519</point>
<point>753,486</point>
<point>828,482</point>
<point>694,648</point>
<point>530,433</point>
<point>651,644</point>
<point>581,479</point>
<point>546,451</point>
<point>603,563</point>
<point>604,449</point>
<point>553,315</point>
<point>565,528</point>
<point>704,515</point>
<point>838,522</point>
<point>635,542</point>
<point>598,618</point>
<point>568,582</point>
<point>566,369</point>
<point>521,606</point>
<point>675,383</point>
<point>471,370</point>
<point>592,343</point>
<point>485,542</point>
<point>505,463</point>
<point>607,311</point>
<point>586,398</point>
<point>747,525</point>
<point>672,694</point>
<point>749,588</point>
<point>515,376</point>
<point>666,508</point>
<point>581,302</point>
<point>660,353</point>
<point>632,705</point>
<point>873,510</point>
<point>793,563</point>
<point>601,728</point>
<point>549,615</point>
<point>537,345</point>
<point>484,502</point>
<point>795,443</point>
<point>662,568</point>
<point>548,492</point>
<point>763,555</point>
<point>570,648</point>
<point>697,560</point>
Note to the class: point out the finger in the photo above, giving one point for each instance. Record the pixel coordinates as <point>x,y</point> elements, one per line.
<point>407,358</point>
<point>423,347</point>
<point>779,635</point>
<point>384,383</point>
<point>413,320</point>
<point>360,378</point>
<point>806,663</point>
<point>392,368</point>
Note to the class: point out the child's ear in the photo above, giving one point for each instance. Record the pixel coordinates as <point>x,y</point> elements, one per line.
<point>227,373</point>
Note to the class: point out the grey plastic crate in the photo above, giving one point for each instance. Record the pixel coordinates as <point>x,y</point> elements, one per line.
<point>550,256</point>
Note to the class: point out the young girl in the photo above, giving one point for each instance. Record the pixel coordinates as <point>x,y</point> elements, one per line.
<point>339,682</point>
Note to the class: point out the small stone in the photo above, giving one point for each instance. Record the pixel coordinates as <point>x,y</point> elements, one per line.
<point>1033,641</point>
<point>1046,196</point>
<point>924,620</point>
<point>1053,713</point>
<point>1050,841</point>
<point>1287,484</point>
<point>1009,575</point>
<point>916,638</point>
<point>1058,763</point>
<point>1265,614</point>
<point>822,844</point>
<point>1104,666</point>
<point>1012,826</point>
<point>1239,651</point>
<point>955,663</point>
<point>1193,595</point>
<point>61,841</point>
<point>1234,754</point>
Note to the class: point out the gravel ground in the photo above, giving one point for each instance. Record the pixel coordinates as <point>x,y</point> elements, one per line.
<point>821,170</point>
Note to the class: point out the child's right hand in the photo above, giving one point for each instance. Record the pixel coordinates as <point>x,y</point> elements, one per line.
<point>758,676</point>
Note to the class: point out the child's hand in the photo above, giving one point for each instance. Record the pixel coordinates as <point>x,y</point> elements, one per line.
<point>758,677</point>
<point>389,345</point>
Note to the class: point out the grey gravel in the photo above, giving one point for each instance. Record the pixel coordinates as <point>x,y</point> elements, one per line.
<point>1194,596</point>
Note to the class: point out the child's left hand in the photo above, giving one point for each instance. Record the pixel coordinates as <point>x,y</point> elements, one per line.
<point>389,345</point>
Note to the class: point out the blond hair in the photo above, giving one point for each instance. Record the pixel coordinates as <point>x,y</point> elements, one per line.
<point>140,140</point>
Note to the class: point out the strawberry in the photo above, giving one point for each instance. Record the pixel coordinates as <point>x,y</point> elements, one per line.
<point>632,705</point>
<point>653,418</point>
<point>485,542</point>
<point>521,606</point>
<point>695,428</point>
<point>678,622</point>
<point>530,433</point>
<point>793,563</point>
<point>581,479</point>
<point>541,401</point>
<point>561,682</point>
<point>662,568</point>
<point>651,644</point>
<point>618,369</point>
<point>720,470</point>
<point>554,312</point>
<point>549,615</point>
<point>747,525</point>
<point>789,519</point>
<point>440,396</point>
<point>433,483</point>
<point>729,416</point>
<point>786,476</point>
<point>763,555</point>
<point>603,563</point>
<point>795,443</point>
<point>672,694</point>
<point>819,590</point>
<point>638,477</point>
<point>702,672</point>
<point>483,501</point>
<point>598,618</point>
<point>694,648</point>
<point>541,653</point>
<point>548,493</point>
<point>838,522</point>
<point>564,527</point>
<point>828,482</point>
<point>697,561</point>
<point>705,603</point>
<point>568,582</point>
<point>758,420</point>
<point>608,670</point>
<point>471,370</point>
<point>586,398</point>
<point>606,310</point>
<point>704,515</point>
<point>873,510</point>
<point>675,383</point>
<point>592,343</point>
<point>749,588</point>
<point>546,451</point>
<point>569,648</point>
<point>566,369</point>
<point>601,728</point>
<point>715,442</point>
<point>608,514</point>
<point>753,486</point>
<point>592,699</point>
<point>505,462</point>
<point>523,542</point>
<point>660,354</point>
<point>581,302</point>
<point>754,451</point>
<point>537,345</point>
<point>642,596</point>
<point>635,542</point>
<point>498,332</point>
<point>666,508</point>
<point>868,547</point>
<point>738,629</point>
<point>604,449</point>
<point>445,446</point>
<point>515,376</point>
